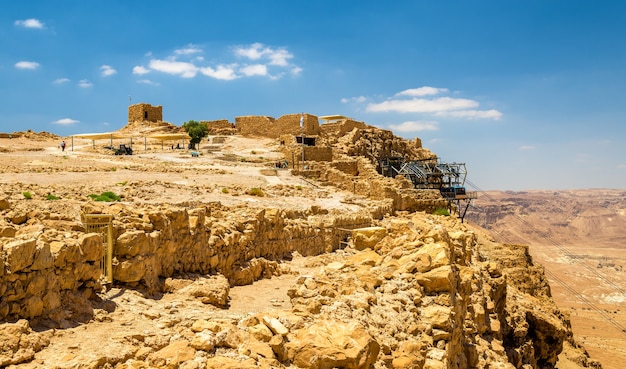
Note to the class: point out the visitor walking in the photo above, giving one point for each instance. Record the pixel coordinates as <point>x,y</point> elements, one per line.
<point>62,145</point>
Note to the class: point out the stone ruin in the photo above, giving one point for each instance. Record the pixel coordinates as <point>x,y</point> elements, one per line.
<point>143,112</point>
<point>414,290</point>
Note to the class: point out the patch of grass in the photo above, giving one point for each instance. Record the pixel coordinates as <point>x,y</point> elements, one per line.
<point>27,195</point>
<point>52,197</point>
<point>107,196</point>
<point>253,152</point>
<point>298,187</point>
<point>225,190</point>
<point>122,183</point>
<point>442,211</point>
<point>255,192</point>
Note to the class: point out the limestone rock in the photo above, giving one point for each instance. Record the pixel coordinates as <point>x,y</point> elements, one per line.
<point>172,355</point>
<point>19,254</point>
<point>364,238</point>
<point>328,344</point>
<point>213,290</point>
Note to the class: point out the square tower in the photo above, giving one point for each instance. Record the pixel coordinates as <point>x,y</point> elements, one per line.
<point>145,112</point>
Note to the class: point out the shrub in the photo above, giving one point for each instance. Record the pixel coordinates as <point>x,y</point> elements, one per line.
<point>298,187</point>
<point>442,211</point>
<point>122,183</point>
<point>105,196</point>
<point>255,192</point>
<point>225,190</point>
<point>52,197</point>
<point>27,195</point>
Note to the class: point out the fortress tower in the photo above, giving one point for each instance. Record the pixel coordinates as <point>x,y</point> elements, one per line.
<point>145,112</point>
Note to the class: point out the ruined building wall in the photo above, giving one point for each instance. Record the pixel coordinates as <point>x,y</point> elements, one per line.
<point>145,112</point>
<point>221,126</point>
<point>254,125</point>
<point>359,177</point>
<point>37,273</point>
<point>340,128</point>
<point>293,153</point>
<point>263,126</point>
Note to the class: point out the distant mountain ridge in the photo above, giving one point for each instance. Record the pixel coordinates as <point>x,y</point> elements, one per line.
<point>572,217</point>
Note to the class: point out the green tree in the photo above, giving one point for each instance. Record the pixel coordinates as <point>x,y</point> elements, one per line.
<point>196,130</point>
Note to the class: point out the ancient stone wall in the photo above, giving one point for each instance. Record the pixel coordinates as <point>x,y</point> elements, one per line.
<point>38,270</point>
<point>145,112</point>
<point>340,128</point>
<point>218,127</point>
<point>273,128</point>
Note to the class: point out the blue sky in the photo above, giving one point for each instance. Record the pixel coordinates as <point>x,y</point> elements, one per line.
<point>529,94</point>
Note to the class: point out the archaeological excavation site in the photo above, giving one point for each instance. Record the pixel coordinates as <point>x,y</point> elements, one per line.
<point>302,241</point>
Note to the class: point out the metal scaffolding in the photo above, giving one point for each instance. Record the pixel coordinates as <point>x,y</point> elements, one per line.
<point>432,174</point>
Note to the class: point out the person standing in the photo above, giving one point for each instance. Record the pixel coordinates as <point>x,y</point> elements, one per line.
<point>62,145</point>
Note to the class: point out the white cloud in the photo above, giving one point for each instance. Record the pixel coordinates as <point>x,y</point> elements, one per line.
<point>422,105</point>
<point>471,114</point>
<point>257,51</point>
<point>222,72</point>
<point>188,50</point>
<point>183,69</point>
<point>140,69</point>
<point>147,82</point>
<point>279,57</point>
<point>621,166</point>
<point>30,23</point>
<point>26,65</point>
<point>417,100</point>
<point>268,62</point>
<point>415,126</point>
<point>254,70</point>
<point>357,99</point>
<point>526,148</point>
<point>253,52</point>
<point>107,70</point>
<point>60,81</point>
<point>84,83</point>
<point>422,91</point>
<point>66,121</point>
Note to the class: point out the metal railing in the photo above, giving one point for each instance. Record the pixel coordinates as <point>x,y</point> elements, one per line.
<point>102,224</point>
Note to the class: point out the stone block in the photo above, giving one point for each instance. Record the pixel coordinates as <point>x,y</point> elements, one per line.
<point>19,254</point>
<point>368,237</point>
<point>43,257</point>
<point>132,243</point>
<point>329,344</point>
<point>92,247</point>
<point>438,316</point>
<point>440,279</point>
